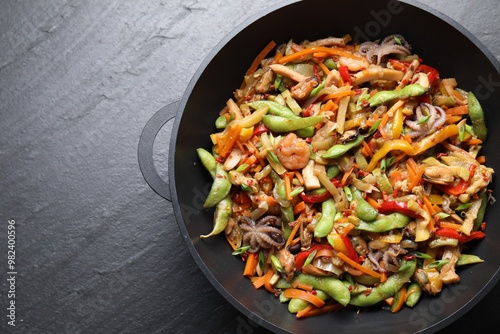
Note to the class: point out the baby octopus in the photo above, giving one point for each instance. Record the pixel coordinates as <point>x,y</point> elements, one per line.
<point>293,152</point>
<point>261,234</point>
<point>436,119</point>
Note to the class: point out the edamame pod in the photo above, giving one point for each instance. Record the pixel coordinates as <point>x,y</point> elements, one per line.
<point>387,289</point>
<point>274,108</point>
<point>208,160</point>
<point>283,124</point>
<point>476,115</point>
<point>339,150</point>
<point>364,210</point>
<point>220,187</point>
<point>413,294</point>
<point>389,95</point>
<point>330,285</point>
<point>325,223</point>
<point>384,223</point>
<point>280,110</point>
<point>222,215</point>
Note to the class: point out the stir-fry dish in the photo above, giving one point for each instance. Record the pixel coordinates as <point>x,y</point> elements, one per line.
<point>349,175</point>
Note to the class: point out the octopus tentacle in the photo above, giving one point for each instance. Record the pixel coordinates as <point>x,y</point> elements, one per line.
<point>261,235</point>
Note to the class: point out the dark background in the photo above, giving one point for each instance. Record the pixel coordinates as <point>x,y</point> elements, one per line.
<point>96,249</point>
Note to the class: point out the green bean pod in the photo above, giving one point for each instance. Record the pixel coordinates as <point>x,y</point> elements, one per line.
<point>387,289</point>
<point>325,223</point>
<point>222,215</point>
<point>339,150</point>
<point>363,210</point>
<point>466,259</point>
<point>330,285</point>
<point>274,108</point>
<point>476,115</point>
<point>208,160</point>
<point>389,95</point>
<point>296,304</point>
<point>355,287</point>
<point>481,212</point>
<point>384,223</point>
<point>283,124</point>
<point>413,294</point>
<point>277,109</point>
<point>220,187</point>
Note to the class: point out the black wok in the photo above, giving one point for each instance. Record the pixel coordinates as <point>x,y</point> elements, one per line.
<point>439,41</point>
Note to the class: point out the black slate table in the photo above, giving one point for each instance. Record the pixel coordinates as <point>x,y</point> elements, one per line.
<point>98,251</point>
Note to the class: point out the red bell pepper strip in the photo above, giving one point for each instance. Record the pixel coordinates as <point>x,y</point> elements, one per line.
<point>353,255</point>
<point>432,73</point>
<point>454,234</point>
<point>315,198</point>
<point>312,197</point>
<point>473,235</point>
<point>260,129</point>
<point>461,186</point>
<point>396,206</point>
<point>301,257</point>
<point>344,74</point>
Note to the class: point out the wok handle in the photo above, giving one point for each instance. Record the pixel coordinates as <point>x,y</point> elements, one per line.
<point>145,149</point>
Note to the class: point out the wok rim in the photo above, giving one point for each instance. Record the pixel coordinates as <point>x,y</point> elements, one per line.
<point>173,184</point>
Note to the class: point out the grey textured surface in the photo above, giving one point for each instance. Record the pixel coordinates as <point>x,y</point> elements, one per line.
<point>97,249</point>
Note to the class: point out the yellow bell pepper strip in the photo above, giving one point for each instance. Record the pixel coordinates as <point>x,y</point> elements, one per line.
<point>252,119</point>
<point>392,145</point>
<point>435,138</point>
<point>397,124</point>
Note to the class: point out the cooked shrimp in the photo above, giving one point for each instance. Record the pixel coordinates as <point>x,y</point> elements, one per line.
<point>293,152</point>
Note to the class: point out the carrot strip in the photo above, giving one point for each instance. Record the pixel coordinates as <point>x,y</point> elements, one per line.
<point>356,265</point>
<point>232,137</point>
<point>308,51</point>
<point>310,310</point>
<point>256,62</point>
<point>346,176</point>
<point>288,186</point>
<point>305,311</point>
<point>338,94</point>
<point>481,159</point>
<point>383,277</point>
<point>299,177</point>
<point>293,232</point>
<point>453,226</point>
<point>373,203</point>
<point>304,295</point>
<point>395,308</point>
<point>327,106</point>
<point>475,141</point>
<point>417,177</point>
<point>323,67</point>
<point>460,110</point>
<point>299,207</point>
<point>367,148</point>
<point>262,280</point>
<point>428,205</point>
<point>348,228</point>
<point>251,264</point>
